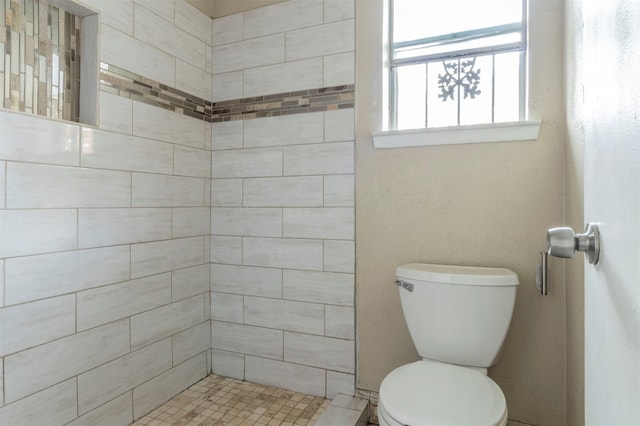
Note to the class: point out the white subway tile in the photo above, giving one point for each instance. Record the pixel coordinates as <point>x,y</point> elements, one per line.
<point>339,125</point>
<point>246,163</point>
<point>209,67</point>
<point>340,383</point>
<point>162,322</point>
<point>191,342</point>
<point>283,253</point>
<point>255,222</point>
<point>320,40</point>
<point>248,54</point>
<point>339,190</point>
<point>36,277</point>
<point>318,351</point>
<point>285,77</point>
<point>164,9</point>
<point>227,134</point>
<point>155,31</point>
<point>56,405</point>
<point>296,129</point>
<point>157,123</point>
<point>246,339</point>
<point>227,307</point>
<point>116,112</point>
<point>26,232</point>
<point>227,29</point>
<point>118,411</point>
<point>282,17</point>
<point>193,80</point>
<point>98,386</point>
<point>265,282</point>
<point>228,86</point>
<point>163,256</point>
<point>190,282</point>
<point>319,159</point>
<point>227,364</point>
<point>284,314</point>
<point>285,375</point>
<point>30,324</point>
<point>111,150</point>
<point>193,21</point>
<point>136,56</point>
<point>337,10</point>
<point>192,162</point>
<point>162,388</point>
<point>339,69</point>
<point>226,250</point>
<point>105,304</point>
<point>226,192</point>
<point>319,287</point>
<point>42,186</point>
<point>166,191</point>
<point>339,256</point>
<point>339,322</point>
<point>37,368</point>
<point>105,227</point>
<point>207,192</point>
<point>319,222</point>
<point>190,221</point>
<point>116,13</point>
<point>38,140</point>
<point>283,192</point>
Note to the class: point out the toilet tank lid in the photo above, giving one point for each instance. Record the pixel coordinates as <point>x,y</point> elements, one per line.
<point>461,275</point>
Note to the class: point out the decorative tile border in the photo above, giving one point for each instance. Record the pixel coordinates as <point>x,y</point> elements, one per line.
<point>124,83</point>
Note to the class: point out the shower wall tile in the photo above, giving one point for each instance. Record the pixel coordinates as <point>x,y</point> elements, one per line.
<point>158,390</point>
<point>337,10</point>
<point>327,39</point>
<point>339,190</point>
<point>299,378</point>
<point>40,367</point>
<point>190,221</point>
<point>154,325</point>
<point>193,80</point>
<point>283,253</point>
<point>227,364</point>
<point>320,287</point>
<point>105,304</point>
<point>115,13</point>
<point>246,163</point>
<point>190,282</point>
<point>339,256</point>
<point>323,352</point>
<point>284,315</point>
<point>269,20</point>
<point>192,162</point>
<point>247,280</point>
<point>228,135</point>
<point>338,383</point>
<point>283,192</point>
<point>106,227</point>
<point>319,159</point>
<point>297,129</point>
<point>55,405</point>
<point>226,192</point>
<point>3,169</point>
<point>226,250</point>
<point>191,342</point>
<point>164,9</point>
<point>263,342</point>
<point>157,123</point>
<point>251,53</point>
<point>100,385</point>
<point>118,411</point>
<point>339,69</point>
<point>228,86</point>
<point>166,191</point>
<point>337,223</point>
<point>340,322</point>
<point>253,222</point>
<point>163,256</point>
<point>285,77</point>
<point>27,232</point>
<point>228,29</point>
<point>30,324</point>
<point>37,277</point>
<point>339,125</point>
<point>116,113</point>
<point>43,186</point>
<point>191,20</point>
<point>110,150</point>
<point>227,307</point>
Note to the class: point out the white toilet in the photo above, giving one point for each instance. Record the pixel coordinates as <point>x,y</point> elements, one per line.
<point>458,317</point>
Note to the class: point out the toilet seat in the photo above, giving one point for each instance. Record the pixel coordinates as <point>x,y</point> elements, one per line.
<point>427,393</point>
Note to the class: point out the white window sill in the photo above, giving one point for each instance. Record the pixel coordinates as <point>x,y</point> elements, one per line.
<point>455,135</point>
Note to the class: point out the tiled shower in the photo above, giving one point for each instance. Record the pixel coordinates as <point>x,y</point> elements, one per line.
<point>206,223</point>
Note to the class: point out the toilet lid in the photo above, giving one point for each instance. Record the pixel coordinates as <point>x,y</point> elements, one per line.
<point>432,393</point>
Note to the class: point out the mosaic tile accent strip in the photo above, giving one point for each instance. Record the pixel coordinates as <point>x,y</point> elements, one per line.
<point>217,400</point>
<point>39,59</point>
<point>129,85</point>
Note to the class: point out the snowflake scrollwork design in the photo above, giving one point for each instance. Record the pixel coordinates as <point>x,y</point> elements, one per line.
<point>459,74</point>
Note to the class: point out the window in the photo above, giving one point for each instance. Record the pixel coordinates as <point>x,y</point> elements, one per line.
<point>456,62</point>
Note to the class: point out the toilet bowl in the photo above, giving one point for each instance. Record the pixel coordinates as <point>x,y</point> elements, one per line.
<point>458,318</point>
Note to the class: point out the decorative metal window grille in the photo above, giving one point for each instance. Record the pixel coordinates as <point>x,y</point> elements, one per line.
<point>463,77</point>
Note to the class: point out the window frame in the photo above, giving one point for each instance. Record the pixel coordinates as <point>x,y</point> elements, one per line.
<point>394,64</point>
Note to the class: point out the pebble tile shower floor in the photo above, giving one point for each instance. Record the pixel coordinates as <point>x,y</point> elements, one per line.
<point>217,400</point>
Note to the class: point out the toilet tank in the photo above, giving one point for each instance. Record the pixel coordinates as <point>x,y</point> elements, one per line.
<point>457,314</point>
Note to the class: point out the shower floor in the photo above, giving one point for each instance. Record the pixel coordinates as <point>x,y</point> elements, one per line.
<point>217,400</point>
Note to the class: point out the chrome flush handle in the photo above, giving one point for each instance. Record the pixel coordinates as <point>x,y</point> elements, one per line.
<point>407,286</point>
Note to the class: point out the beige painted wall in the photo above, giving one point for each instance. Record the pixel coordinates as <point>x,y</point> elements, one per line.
<point>483,204</point>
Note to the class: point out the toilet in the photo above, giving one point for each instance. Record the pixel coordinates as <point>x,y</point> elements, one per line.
<point>458,317</point>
